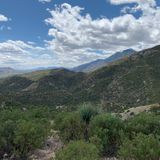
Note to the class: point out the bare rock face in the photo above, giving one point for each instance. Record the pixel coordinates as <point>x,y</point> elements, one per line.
<point>52,144</point>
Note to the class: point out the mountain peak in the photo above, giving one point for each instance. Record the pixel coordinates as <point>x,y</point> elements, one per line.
<point>88,67</point>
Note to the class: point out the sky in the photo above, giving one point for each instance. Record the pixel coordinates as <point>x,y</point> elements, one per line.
<point>67,33</point>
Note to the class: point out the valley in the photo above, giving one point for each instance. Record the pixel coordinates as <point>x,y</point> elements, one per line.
<point>61,113</point>
<point>130,81</point>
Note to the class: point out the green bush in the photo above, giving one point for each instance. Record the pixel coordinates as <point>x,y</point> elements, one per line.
<point>109,130</point>
<point>147,123</point>
<point>70,126</point>
<point>97,142</point>
<point>87,112</point>
<point>28,136</point>
<point>78,150</point>
<point>7,130</point>
<point>142,147</point>
<point>22,131</point>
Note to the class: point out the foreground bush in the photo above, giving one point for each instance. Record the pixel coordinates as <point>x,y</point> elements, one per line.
<point>147,123</point>
<point>142,147</point>
<point>70,126</point>
<point>28,136</point>
<point>22,131</point>
<point>87,112</point>
<point>78,150</point>
<point>108,131</point>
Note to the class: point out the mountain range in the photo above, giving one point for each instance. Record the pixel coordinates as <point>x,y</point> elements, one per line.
<point>127,82</point>
<point>92,66</point>
<point>7,71</point>
<point>89,67</point>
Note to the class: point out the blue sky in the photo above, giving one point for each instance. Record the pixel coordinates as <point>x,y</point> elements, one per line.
<point>37,33</point>
<point>27,16</point>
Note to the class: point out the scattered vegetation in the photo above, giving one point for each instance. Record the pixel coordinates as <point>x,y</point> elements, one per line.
<point>70,126</point>
<point>86,133</point>
<point>23,130</point>
<point>109,130</point>
<point>130,82</point>
<point>78,150</point>
<point>146,123</point>
<point>141,147</point>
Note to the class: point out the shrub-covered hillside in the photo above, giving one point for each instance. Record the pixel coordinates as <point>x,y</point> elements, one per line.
<point>129,82</point>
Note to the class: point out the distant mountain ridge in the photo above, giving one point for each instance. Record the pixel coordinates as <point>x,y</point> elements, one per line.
<point>4,69</point>
<point>7,71</point>
<point>128,82</point>
<point>89,67</point>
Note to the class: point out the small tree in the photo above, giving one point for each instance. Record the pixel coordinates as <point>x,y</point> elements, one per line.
<point>78,150</point>
<point>142,147</point>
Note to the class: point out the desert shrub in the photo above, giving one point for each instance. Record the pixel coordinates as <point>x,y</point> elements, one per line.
<point>22,131</point>
<point>7,130</point>
<point>109,130</point>
<point>142,147</point>
<point>87,112</point>
<point>78,150</point>
<point>147,123</point>
<point>97,142</point>
<point>28,136</point>
<point>70,126</point>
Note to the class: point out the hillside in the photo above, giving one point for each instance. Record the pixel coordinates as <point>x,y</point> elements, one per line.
<point>92,66</point>
<point>131,81</point>
<point>35,75</point>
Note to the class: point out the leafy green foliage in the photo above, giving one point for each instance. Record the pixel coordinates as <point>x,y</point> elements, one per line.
<point>147,123</point>
<point>28,136</point>
<point>109,130</point>
<point>88,111</point>
<point>142,147</point>
<point>69,125</point>
<point>78,150</point>
<point>97,142</point>
<point>23,130</point>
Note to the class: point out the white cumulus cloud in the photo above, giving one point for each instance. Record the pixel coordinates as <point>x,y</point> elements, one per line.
<point>118,2</point>
<point>18,54</point>
<point>75,34</point>
<point>45,1</point>
<point>78,38</point>
<point>3,18</point>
